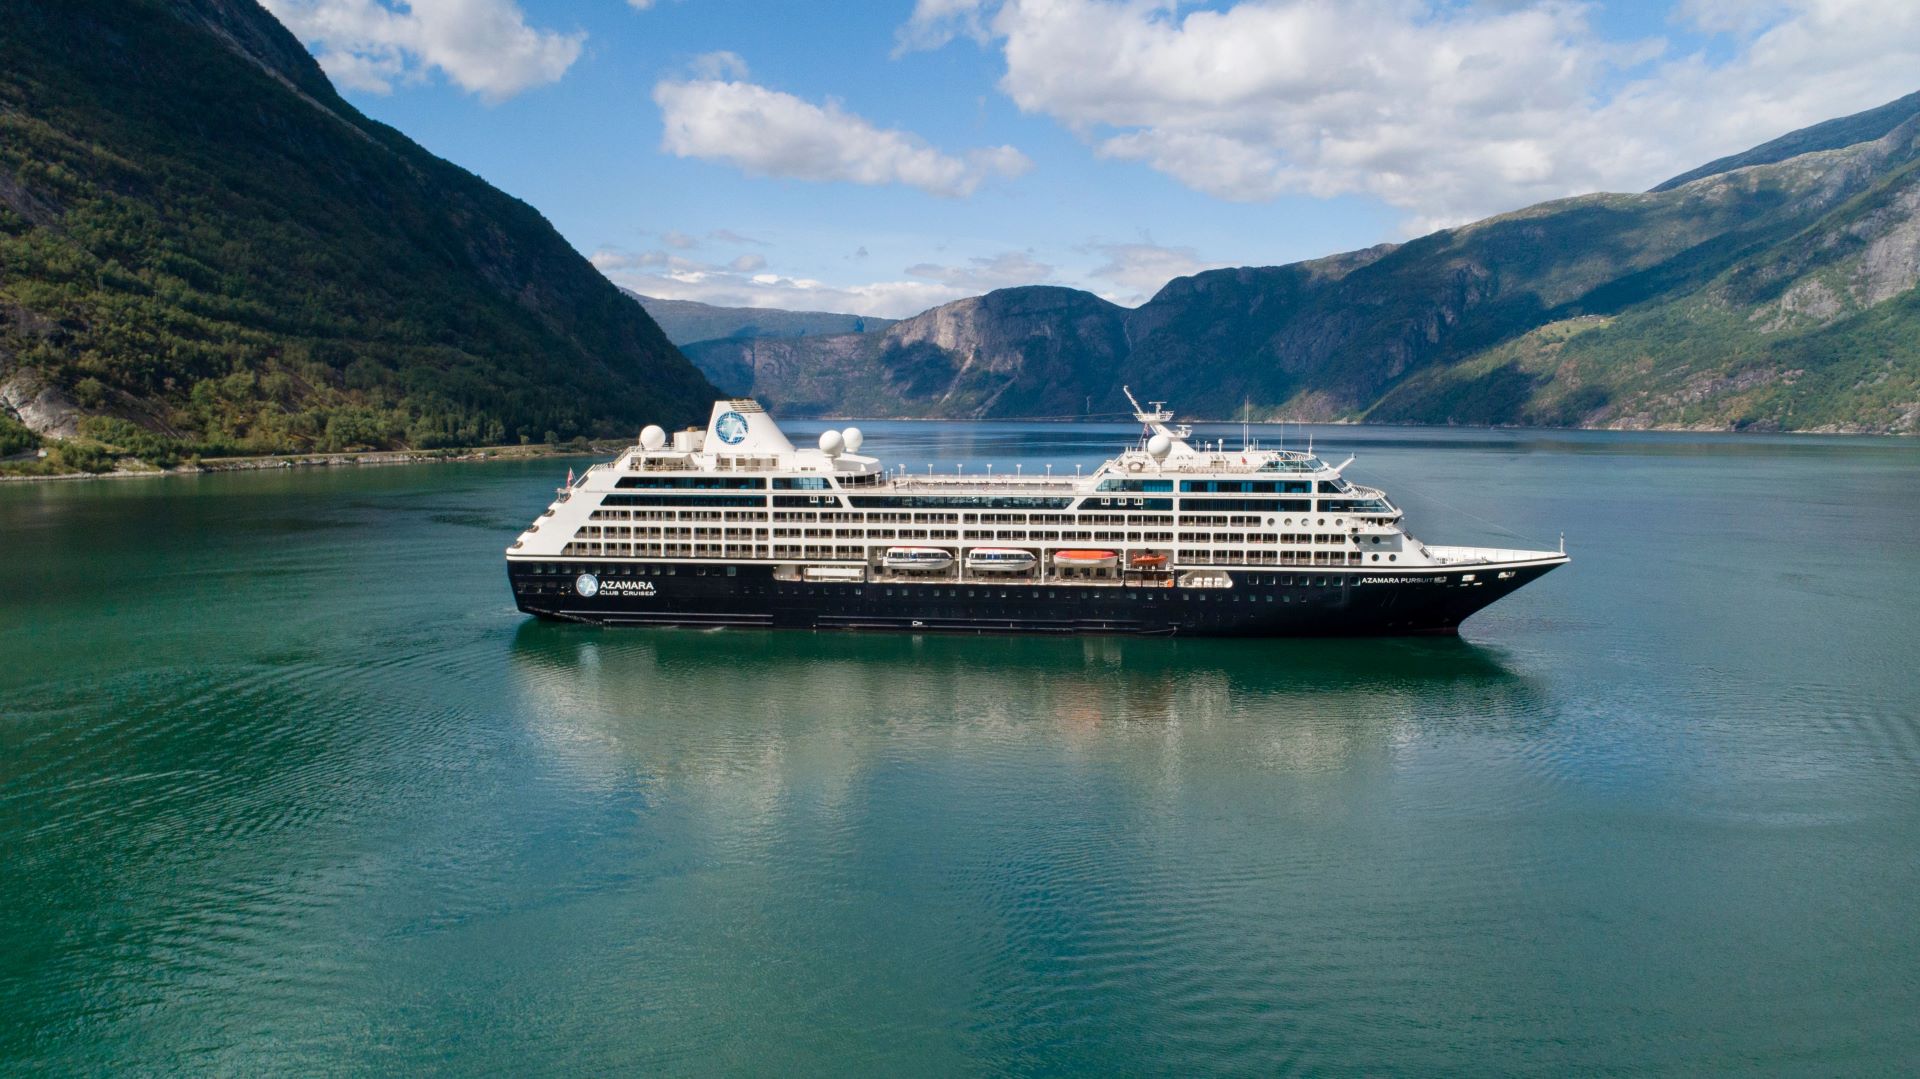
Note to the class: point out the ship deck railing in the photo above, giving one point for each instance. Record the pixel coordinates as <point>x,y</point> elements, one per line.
<point>747,551</point>
<point>1061,484</point>
<point>1231,462</point>
<point>1473,556</point>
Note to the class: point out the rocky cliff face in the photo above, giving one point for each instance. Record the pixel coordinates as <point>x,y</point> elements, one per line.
<point>1746,296</point>
<point>1014,352</point>
<point>686,322</point>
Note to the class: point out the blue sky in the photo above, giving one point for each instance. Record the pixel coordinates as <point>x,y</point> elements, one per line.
<point>883,157</point>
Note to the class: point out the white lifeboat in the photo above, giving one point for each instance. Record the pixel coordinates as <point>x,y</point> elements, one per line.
<point>1000,560</point>
<point>923,559</point>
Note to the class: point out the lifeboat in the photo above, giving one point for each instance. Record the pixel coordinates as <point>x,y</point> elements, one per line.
<point>924,559</point>
<point>1000,560</point>
<point>1148,561</point>
<point>1085,559</point>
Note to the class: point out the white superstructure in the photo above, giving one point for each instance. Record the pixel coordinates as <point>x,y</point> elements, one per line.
<point>740,493</point>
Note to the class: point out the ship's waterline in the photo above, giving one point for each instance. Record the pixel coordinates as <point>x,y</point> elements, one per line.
<point>289,785</point>
<point>734,526</point>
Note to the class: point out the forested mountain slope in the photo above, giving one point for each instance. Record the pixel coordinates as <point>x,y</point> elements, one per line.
<point>206,249</point>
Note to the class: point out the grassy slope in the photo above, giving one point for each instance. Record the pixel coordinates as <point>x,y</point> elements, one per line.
<point>190,244</point>
<point>1730,350</point>
<point>1383,332</point>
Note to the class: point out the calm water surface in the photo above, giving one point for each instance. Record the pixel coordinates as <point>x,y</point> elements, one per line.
<point>287,785</point>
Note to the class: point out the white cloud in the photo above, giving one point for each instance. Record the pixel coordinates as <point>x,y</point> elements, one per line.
<point>743,284</point>
<point>1004,270</point>
<point>936,22</point>
<point>728,236</point>
<point>717,117</point>
<point>1138,270</point>
<point>610,260</point>
<point>721,66</point>
<point>678,240</point>
<point>1133,272</point>
<point>484,46</point>
<point>1450,111</point>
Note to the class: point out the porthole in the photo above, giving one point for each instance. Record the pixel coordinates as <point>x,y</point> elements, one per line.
<point>1323,520</point>
<point>1376,558</point>
<point>1393,558</point>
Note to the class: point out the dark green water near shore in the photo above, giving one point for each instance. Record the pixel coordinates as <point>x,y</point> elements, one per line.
<point>286,785</point>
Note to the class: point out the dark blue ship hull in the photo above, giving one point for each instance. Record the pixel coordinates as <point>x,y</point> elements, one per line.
<point>1260,602</point>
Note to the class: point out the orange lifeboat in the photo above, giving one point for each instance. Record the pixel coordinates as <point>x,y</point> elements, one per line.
<point>1085,559</point>
<point>1148,561</point>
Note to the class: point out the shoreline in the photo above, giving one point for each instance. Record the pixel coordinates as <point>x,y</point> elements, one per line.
<point>378,458</point>
<point>1676,429</point>
<point>360,459</point>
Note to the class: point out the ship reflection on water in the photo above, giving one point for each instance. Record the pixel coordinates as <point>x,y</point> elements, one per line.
<point>685,702</point>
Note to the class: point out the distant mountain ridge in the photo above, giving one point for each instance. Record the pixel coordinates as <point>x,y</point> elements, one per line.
<point>208,250</point>
<point>1829,135</point>
<point>1774,289</point>
<point>688,321</point>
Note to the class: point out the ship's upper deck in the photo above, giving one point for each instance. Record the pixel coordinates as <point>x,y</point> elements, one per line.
<point>741,491</point>
<point>741,438</point>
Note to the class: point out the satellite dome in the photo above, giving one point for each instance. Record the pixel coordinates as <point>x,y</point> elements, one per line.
<point>1159,446</point>
<point>652,437</point>
<point>852,437</point>
<point>831,443</point>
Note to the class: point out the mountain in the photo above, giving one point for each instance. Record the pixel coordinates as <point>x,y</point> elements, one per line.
<point>207,249</point>
<point>1014,352</point>
<point>1831,135</point>
<point>1776,294</point>
<point>687,321</point>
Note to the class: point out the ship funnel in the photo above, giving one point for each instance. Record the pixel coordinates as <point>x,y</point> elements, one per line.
<point>742,426</point>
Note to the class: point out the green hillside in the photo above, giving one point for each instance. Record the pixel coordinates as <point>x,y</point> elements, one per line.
<point>206,250</point>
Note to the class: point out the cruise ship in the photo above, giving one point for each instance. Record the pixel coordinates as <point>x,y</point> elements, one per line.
<point>735,526</point>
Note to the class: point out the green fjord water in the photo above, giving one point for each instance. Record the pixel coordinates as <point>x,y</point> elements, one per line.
<point>287,785</point>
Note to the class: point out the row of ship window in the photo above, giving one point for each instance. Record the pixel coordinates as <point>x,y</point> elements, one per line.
<point>897,502</point>
<point>569,569</point>
<point>700,482</point>
<point>1057,520</point>
<point>590,532</point>
<point>794,551</point>
<point>650,482</point>
<point>1146,593</point>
